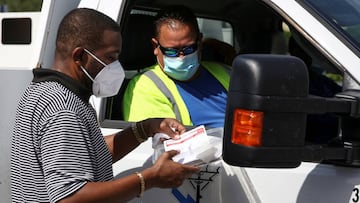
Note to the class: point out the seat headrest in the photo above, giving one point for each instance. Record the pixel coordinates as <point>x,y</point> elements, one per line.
<point>137,50</point>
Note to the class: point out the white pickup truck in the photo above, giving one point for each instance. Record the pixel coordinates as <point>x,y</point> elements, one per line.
<point>288,135</point>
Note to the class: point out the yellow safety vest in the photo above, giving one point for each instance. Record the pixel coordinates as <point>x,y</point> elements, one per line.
<point>164,92</point>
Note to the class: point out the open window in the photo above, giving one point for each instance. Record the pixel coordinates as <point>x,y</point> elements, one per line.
<point>137,54</point>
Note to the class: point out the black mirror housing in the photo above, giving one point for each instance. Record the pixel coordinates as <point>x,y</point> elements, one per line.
<point>274,85</point>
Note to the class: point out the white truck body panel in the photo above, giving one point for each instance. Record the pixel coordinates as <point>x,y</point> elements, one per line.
<point>17,80</point>
<point>20,56</point>
<point>51,15</point>
<point>310,182</point>
<point>307,183</point>
<point>113,11</point>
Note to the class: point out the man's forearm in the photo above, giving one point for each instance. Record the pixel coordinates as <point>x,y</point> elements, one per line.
<point>121,143</point>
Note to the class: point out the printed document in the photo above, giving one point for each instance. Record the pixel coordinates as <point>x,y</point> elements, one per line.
<point>196,147</point>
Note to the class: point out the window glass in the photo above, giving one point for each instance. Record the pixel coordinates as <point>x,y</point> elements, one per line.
<point>217,29</point>
<point>210,28</point>
<point>343,15</point>
<point>16,31</point>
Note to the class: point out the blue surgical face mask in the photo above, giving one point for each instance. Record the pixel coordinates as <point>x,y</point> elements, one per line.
<point>181,68</point>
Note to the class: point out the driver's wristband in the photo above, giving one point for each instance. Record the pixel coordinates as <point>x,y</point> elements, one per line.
<point>136,133</point>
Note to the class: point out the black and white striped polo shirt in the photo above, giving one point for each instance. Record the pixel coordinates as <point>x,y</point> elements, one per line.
<point>57,145</point>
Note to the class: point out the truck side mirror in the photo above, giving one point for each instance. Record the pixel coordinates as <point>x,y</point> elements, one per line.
<point>264,125</point>
<point>267,108</point>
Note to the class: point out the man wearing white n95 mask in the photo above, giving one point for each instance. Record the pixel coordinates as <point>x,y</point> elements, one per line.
<point>108,81</point>
<point>58,153</point>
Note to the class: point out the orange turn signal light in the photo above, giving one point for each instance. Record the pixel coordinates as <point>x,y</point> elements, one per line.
<point>247,127</point>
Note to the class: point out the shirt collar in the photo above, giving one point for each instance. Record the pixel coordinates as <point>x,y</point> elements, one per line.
<point>42,75</point>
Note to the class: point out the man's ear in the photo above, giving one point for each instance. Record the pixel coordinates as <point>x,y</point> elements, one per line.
<point>78,55</point>
<point>155,45</point>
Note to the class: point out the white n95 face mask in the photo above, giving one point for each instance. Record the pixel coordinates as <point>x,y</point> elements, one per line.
<point>108,81</point>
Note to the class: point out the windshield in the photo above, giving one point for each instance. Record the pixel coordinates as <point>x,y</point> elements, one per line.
<point>342,15</point>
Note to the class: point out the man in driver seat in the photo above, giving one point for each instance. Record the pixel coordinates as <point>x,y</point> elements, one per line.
<point>179,85</point>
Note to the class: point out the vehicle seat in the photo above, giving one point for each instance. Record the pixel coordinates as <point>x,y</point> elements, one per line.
<point>136,54</point>
<point>216,50</point>
<point>137,51</point>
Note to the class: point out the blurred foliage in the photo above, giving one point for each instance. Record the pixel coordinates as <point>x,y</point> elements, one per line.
<point>22,5</point>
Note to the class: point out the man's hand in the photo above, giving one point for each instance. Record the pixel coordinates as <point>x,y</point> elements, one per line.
<point>169,126</point>
<point>166,173</point>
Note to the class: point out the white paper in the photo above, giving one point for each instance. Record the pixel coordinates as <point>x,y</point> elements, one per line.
<point>195,147</point>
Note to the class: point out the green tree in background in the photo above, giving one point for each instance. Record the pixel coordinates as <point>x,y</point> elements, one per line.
<point>22,5</point>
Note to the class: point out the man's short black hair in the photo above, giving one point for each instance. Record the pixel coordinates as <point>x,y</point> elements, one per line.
<point>83,27</point>
<point>179,13</point>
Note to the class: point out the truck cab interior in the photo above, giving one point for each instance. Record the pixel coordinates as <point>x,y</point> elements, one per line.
<point>248,26</point>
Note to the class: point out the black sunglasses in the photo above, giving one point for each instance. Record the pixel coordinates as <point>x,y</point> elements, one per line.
<point>172,52</point>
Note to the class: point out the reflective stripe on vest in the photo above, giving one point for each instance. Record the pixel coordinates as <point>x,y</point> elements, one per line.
<point>163,88</point>
<point>213,68</point>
